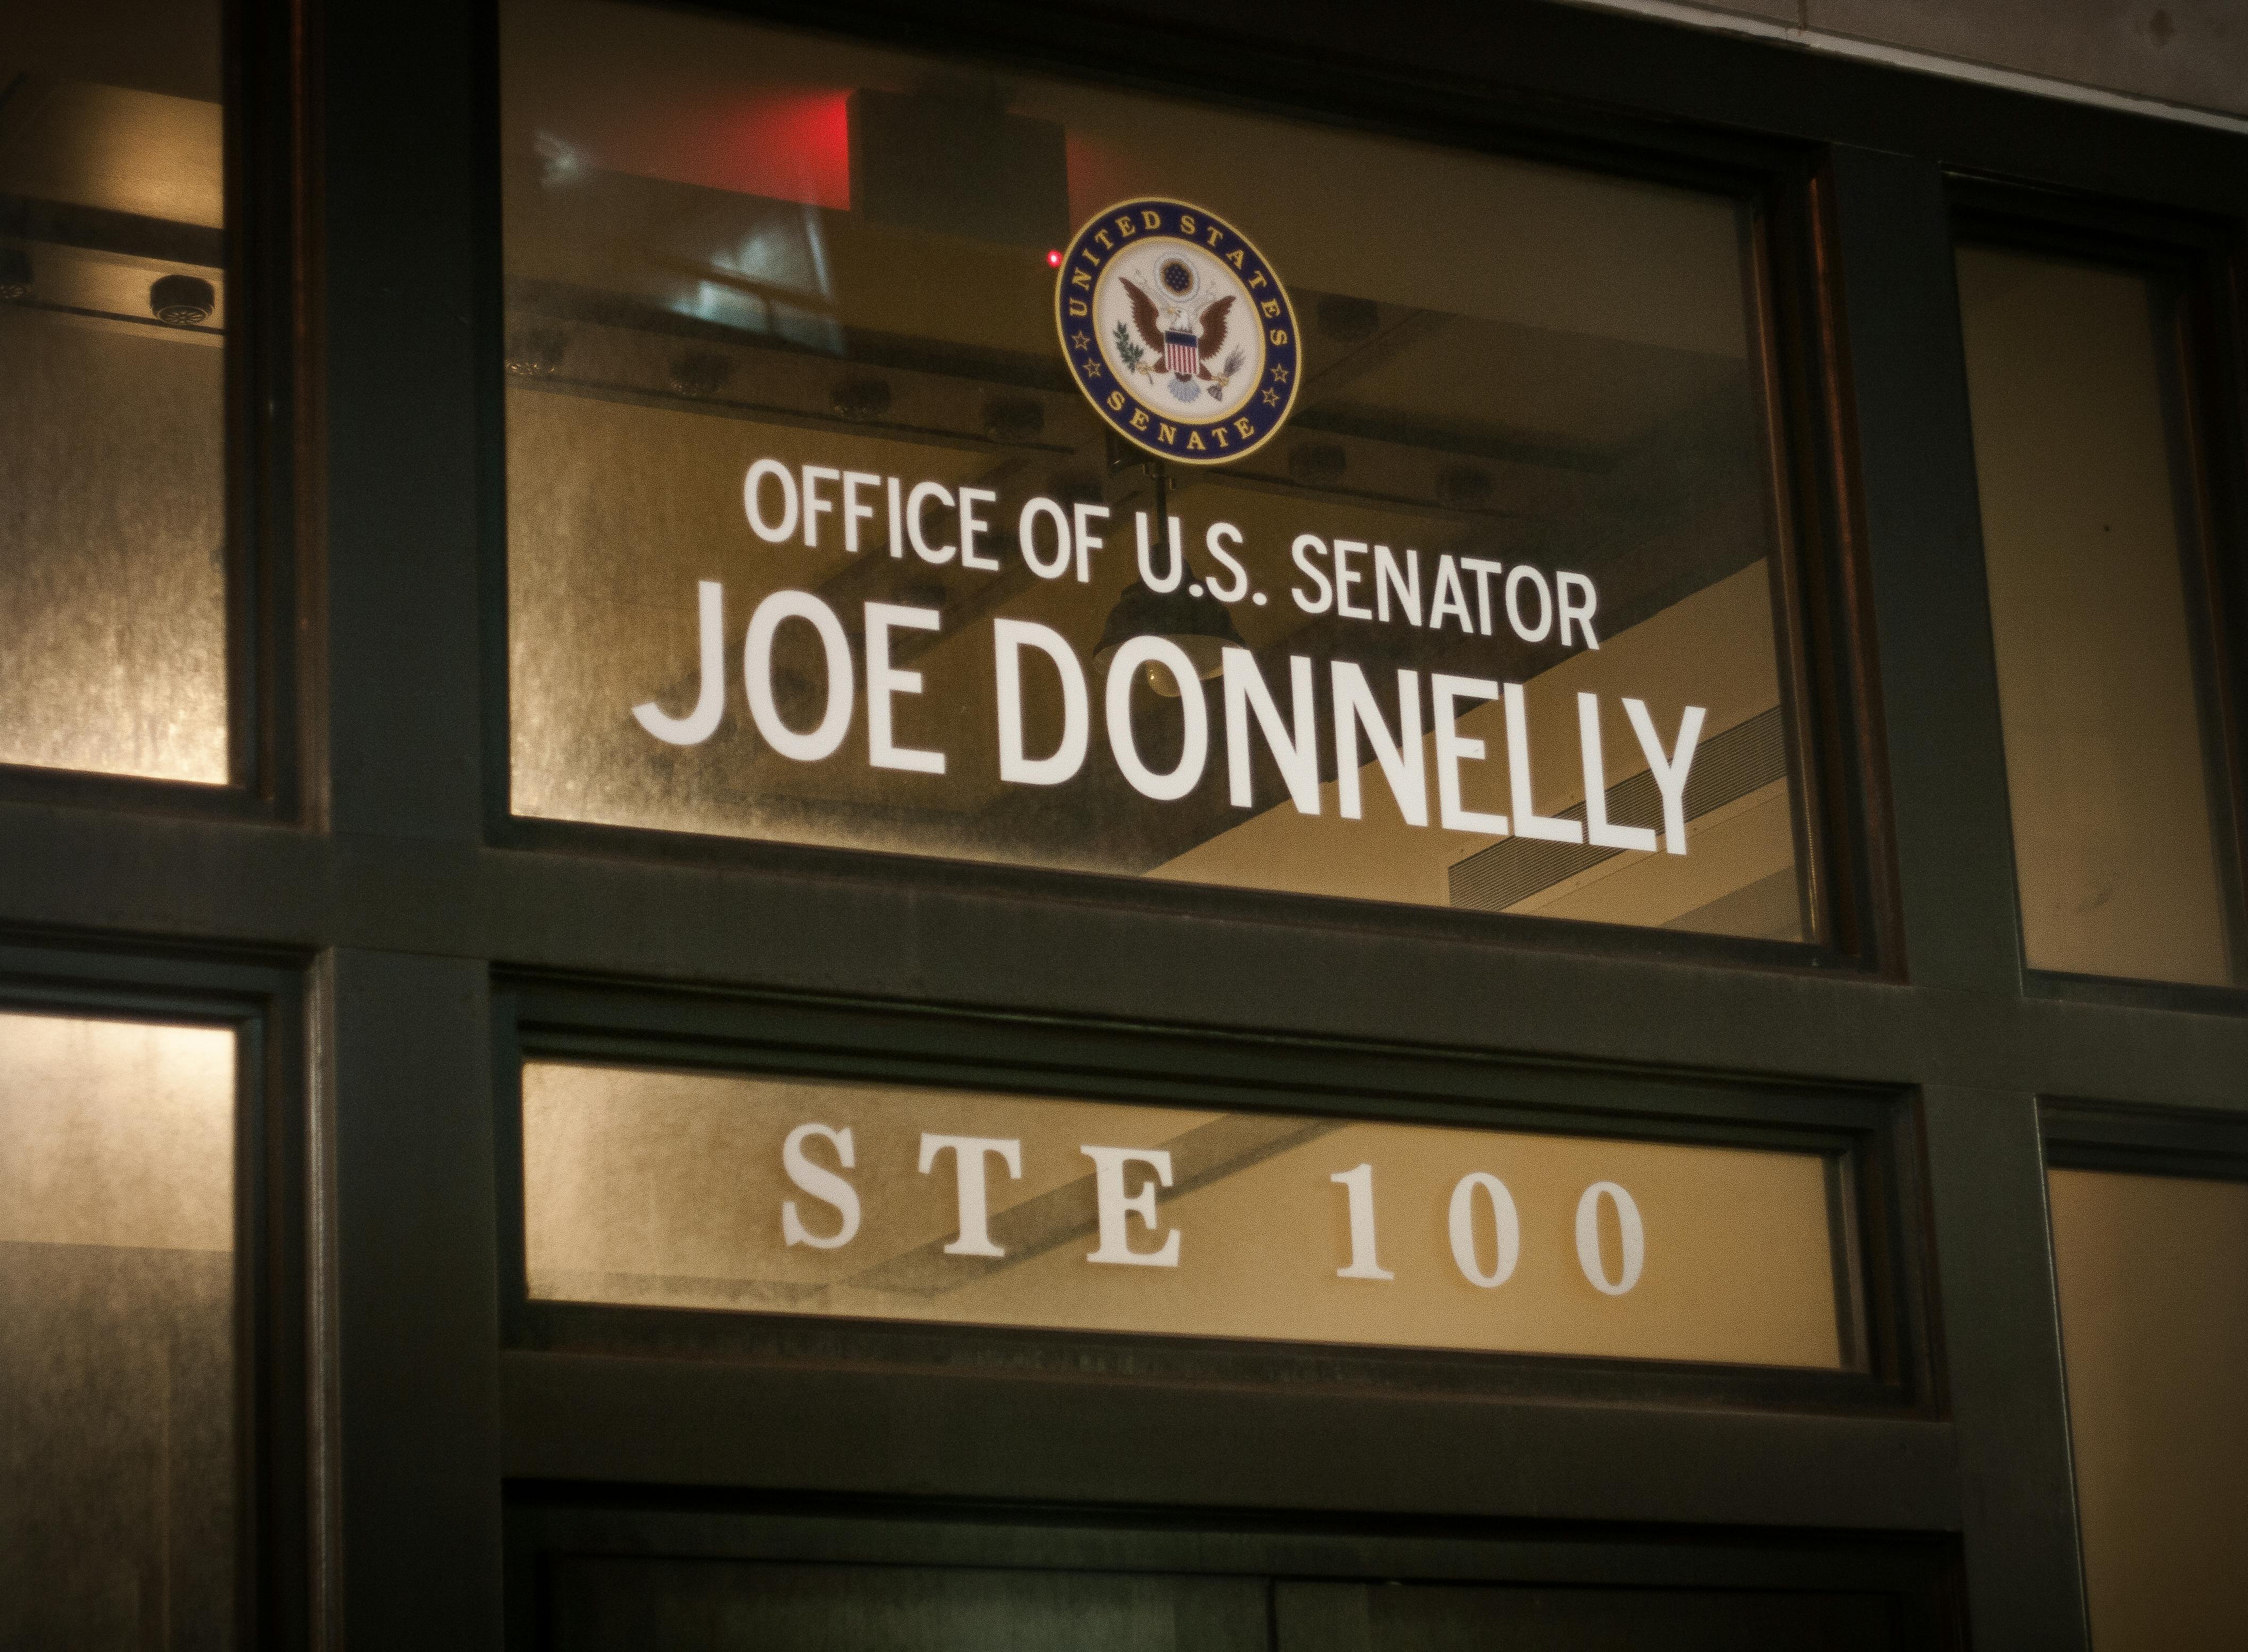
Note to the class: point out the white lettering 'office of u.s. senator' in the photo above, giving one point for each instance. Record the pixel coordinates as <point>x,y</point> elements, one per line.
<point>1338,577</point>
<point>818,506</point>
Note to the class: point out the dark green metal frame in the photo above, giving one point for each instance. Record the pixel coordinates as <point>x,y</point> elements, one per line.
<point>412,1417</point>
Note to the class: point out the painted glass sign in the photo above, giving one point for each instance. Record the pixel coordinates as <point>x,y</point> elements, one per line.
<point>1448,571</point>
<point>787,1196</point>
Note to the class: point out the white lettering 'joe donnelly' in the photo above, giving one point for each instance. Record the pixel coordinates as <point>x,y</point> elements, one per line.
<point>1470,593</point>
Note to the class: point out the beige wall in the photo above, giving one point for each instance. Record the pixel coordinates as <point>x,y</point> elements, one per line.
<point>2190,52</point>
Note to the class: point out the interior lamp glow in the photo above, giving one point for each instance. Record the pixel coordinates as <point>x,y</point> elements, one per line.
<point>1199,626</point>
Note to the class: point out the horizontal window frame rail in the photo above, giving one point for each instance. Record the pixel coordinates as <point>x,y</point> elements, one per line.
<point>546,1523</point>
<point>2084,1134</point>
<point>824,1529</point>
<point>91,877</point>
<point>639,1422</point>
<point>1166,899</point>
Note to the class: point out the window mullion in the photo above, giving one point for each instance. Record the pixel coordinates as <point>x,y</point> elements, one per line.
<point>1920,539</point>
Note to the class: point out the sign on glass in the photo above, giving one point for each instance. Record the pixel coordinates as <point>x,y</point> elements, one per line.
<point>798,1197</point>
<point>908,459</point>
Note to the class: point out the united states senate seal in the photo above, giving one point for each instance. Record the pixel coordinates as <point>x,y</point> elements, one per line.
<point>1178,331</point>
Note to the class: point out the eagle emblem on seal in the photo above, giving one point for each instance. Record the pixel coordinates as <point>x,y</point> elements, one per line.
<point>1177,330</point>
<point>1186,339</point>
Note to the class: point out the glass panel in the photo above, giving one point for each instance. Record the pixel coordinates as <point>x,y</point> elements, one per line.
<point>1525,445</point>
<point>593,1602</point>
<point>113,517</point>
<point>117,1440</point>
<point>2086,524</point>
<point>1394,1617</point>
<point>2153,1273</point>
<point>796,1197</point>
<point>599,1602</point>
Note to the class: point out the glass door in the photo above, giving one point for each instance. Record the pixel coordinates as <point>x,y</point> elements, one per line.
<point>600,1602</point>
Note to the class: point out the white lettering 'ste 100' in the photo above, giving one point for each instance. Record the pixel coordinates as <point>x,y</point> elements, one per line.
<point>1126,1182</point>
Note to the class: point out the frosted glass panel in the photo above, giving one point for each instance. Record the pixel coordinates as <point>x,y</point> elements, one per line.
<point>117,1370</point>
<point>792,1196</point>
<point>113,496</point>
<point>2112,781</point>
<point>2153,1273</point>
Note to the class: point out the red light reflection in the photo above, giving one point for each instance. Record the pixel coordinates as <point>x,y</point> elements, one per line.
<point>786,143</point>
<point>790,146</point>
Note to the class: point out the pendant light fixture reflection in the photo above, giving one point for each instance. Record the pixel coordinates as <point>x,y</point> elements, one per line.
<point>181,300</point>
<point>1200,626</point>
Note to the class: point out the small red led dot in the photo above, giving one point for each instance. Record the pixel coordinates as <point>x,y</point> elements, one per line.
<point>1053,257</point>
